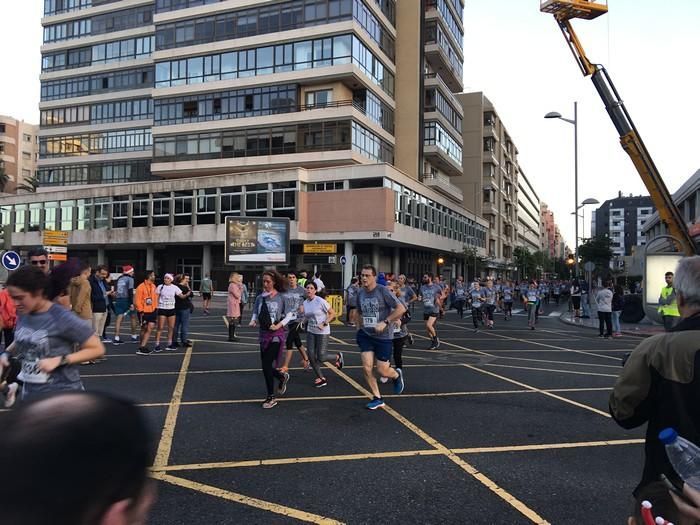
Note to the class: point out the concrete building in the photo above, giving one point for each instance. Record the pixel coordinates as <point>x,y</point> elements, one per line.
<point>553,243</point>
<point>166,90</point>
<point>490,176</point>
<point>528,213</point>
<point>622,219</point>
<point>18,151</point>
<point>687,198</point>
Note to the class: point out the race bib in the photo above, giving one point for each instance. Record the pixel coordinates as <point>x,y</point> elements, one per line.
<point>397,328</point>
<point>428,303</point>
<point>149,301</point>
<point>369,322</point>
<point>312,323</point>
<point>30,373</point>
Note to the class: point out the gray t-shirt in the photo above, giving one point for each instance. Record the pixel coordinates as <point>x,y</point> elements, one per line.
<point>352,295</point>
<point>293,299</point>
<point>507,294</point>
<point>275,305</point>
<point>205,285</point>
<point>407,294</point>
<point>460,291</point>
<point>430,293</point>
<point>49,334</point>
<point>125,287</point>
<point>375,307</point>
<point>489,296</point>
<point>477,296</point>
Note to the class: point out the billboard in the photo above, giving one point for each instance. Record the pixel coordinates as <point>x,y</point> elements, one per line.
<point>252,240</point>
<point>655,267</point>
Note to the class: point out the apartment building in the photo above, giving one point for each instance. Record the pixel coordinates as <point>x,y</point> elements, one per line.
<point>156,92</point>
<point>490,176</point>
<point>622,219</point>
<point>551,238</point>
<point>687,198</point>
<point>18,152</point>
<point>528,213</point>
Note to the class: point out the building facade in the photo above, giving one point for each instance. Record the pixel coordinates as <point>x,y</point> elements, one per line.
<point>18,152</point>
<point>529,226</point>
<point>622,220</point>
<point>490,177</point>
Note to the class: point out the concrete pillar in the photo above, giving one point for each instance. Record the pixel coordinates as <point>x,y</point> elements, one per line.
<point>101,256</point>
<point>206,260</point>
<point>375,256</point>
<point>150,258</point>
<point>396,261</point>
<point>347,268</point>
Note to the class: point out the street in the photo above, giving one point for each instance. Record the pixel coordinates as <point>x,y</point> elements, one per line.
<point>502,426</point>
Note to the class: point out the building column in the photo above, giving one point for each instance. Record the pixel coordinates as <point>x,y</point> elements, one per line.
<point>375,256</point>
<point>348,266</point>
<point>101,256</point>
<point>150,258</point>
<point>206,260</point>
<point>396,261</point>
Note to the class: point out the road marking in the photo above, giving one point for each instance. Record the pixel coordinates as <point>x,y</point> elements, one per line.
<point>548,446</point>
<point>544,392</point>
<point>550,370</point>
<point>166,437</point>
<point>484,480</point>
<point>245,500</point>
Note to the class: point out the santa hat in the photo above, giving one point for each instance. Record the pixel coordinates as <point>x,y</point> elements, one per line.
<point>128,269</point>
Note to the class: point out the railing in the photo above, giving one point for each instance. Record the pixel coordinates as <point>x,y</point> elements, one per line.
<point>443,182</point>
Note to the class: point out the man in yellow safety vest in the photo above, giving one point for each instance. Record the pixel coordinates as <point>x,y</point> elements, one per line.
<point>668,307</point>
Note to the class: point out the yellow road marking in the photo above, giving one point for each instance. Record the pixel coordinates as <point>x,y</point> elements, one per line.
<point>166,437</point>
<point>245,500</point>
<point>543,392</point>
<point>548,446</point>
<point>484,480</point>
<point>576,372</point>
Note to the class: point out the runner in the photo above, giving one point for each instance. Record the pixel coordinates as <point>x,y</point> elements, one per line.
<point>351,299</point>
<point>531,299</point>
<point>377,309</point>
<point>183,311</point>
<point>399,330</point>
<point>498,286</point>
<point>460,296</point>
<point>476,296</point>
<point>145,302</point>
<point>490,296</point>
<point>205,289</point>
<point>269,316</point>
<point>507,296</point>
<point>293,299</point>
<point>167,292</point>
<point>318,315</point>
<point>46,336</point>
<point>430,293</point>
<point>233,304</point>
<point>124,303</point>
<point>442,297</point>
<point>409,296</point>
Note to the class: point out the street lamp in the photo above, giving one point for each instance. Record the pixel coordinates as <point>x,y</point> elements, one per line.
<point>554,114</point>
<point>582,216</point>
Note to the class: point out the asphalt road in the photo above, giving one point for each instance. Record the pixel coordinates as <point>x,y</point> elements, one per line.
<point>498,427</point>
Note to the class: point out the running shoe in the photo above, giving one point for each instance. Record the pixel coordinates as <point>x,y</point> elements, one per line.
<point>410,339</point>
<point>143,351</point>
<point>339,361</point>
<point>270,402</point>
<point>399,383</point>
<point>117,341</point>
<point>282,387</point>
<point>171,346</point>
<point>106,340</point>
<point>437,343</point>
<point>158,348</point>
<point>320,382</point>
<point>375,403</point>
<point>383,379</point>
<point>433,345</point>
<point>11,395</point>
<point>134,338</point>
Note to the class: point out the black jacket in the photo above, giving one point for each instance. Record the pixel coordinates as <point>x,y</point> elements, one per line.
<point>97,298</point>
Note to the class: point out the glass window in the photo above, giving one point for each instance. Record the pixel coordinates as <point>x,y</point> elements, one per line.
<point>51,215</point>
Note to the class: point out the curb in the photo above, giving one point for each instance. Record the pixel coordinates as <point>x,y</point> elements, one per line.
<point>637,333</point>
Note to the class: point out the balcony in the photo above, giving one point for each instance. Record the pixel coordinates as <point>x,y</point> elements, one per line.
<point>441,183</point>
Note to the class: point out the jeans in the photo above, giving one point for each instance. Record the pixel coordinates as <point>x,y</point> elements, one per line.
<point>669,321</point>
<point>616,321</point>
<point>182,325</point>
<point>585,305</point>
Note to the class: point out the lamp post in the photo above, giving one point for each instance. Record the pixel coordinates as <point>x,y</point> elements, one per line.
<point>554,114</point>
<point>583,216</point>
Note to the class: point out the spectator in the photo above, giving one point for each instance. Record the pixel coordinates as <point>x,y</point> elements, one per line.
<point>660,380</point>
<point>39,257</point>
<point>99,299</point>
<point>618,303</point>
<point>668,306</point>
<point>80,292</point>
<point>205,288</point>
<point>603,300</point>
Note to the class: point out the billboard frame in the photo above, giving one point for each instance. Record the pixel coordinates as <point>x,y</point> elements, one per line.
<point>257,258</point>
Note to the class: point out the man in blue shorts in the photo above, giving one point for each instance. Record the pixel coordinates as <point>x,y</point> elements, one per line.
<point>377,310</point>
<point>124,304</point>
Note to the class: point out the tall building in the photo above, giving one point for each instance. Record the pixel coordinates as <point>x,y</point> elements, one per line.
<point>551,238</point>
<point>18,152</point>
<point>529,227</point>
<point>687,198</point>
<point>490,176</point>
<point>622,219</point>
<point>170,91</point>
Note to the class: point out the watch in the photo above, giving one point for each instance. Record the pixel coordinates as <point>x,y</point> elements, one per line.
<point>63,361</point>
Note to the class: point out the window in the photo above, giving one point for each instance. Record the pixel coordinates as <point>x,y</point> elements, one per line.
<point>67,215</point>
<point>319,98</point>
<point>101,212</point>
<point>140,205</point>
<point>230,202</point>
<point>25,155</point>
<point>161,209</point>
<point>120,211</point>
<point>182,208</point>
<point>256,200</point>
<point>284,199</point>
<point>27,138</point>
<point>206,206</point>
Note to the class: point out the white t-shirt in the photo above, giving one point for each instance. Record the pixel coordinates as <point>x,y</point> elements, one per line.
<point>166,296</point>
<point>315,313</point>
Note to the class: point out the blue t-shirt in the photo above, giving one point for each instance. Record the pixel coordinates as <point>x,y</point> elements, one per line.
<point>477,296</point>
<point>375,306</point>
<point>430,294</point>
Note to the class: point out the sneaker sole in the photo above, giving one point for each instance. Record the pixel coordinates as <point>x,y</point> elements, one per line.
<point>376,407</point>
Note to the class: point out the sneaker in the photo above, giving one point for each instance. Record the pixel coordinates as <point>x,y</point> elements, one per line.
<point>116,341</point>
<point>383,379</point>
<point>410,339</point>
<point>399,383</point>
<point>375,403</point>
<point>532,328</point>
<point>171,346</point>
<point>11,395</point>
<point>106,340</point>
<point>270,402</point>
<point>437,343</point>
<point>282,387</point>
<point>320,382</point>
<point>600,336</point>
<point>339,361</point>
<point>134,338</point>
<point>143,351</point>
<point>158,348</point>
<point>432,346</point>
<point>617,334</point>
<point>476,330</point>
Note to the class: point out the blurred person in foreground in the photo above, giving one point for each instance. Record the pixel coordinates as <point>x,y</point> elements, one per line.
<point>76,459</point>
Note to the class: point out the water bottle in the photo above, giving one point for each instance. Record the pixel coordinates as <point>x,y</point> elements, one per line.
<point>683,455</point>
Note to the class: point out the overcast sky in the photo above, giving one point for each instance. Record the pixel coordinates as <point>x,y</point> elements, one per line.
<point>518,57</point>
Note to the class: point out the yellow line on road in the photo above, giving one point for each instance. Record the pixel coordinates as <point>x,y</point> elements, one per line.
<point>245,500</point>
<point>576,372</point>
<point>547,446</point>
<point>166,437</point>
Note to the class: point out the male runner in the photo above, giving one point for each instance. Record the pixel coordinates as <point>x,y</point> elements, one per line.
<point>408,296</point>
<point>460,291</point>
<point>430,294</point>
<point>293,299</point>
<point>124,304</point>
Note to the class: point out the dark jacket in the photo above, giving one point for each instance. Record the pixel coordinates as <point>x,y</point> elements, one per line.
<point>618,302</point>
<point>660,384</point>
<point>97,297</point>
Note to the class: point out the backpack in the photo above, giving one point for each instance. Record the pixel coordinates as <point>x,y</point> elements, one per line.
<point>264,319</point>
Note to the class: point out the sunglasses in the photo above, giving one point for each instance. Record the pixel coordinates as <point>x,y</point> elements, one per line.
<point>42,263</point>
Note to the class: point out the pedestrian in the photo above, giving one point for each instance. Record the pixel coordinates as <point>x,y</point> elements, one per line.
<point>302,278</point>
<point>110,307</point>
<point>476,295</point>
<point>556,291</point>
<point>80,292</point>
<point>351,299</point>
<point>490,296</point>
<point>9,366</point>
<point>233,304</point>
<point>318,315</point>
<point>76,458</point>
<point>183,310</point>
<point>146,304</point>
<point>205,289</point>
<point>668,306</point>
<point>618,304</point>
<point>46,337</point>
<point>270,317</point>
<point>460,296</point>
<point>167,292</point>
<point>531,299</point>
<point>659,384</point>
<point>294,297</point>
<point>377,310</point>
<point>39,257</point>
<point>507,295</point>
<point>245,297</point>
<point>603,300</point>
<point>124,303</point>
<point>321,287</point>
<point>575,292</point>
<point>429,294</point>
<point>585,299</point>
<point>99,299</point>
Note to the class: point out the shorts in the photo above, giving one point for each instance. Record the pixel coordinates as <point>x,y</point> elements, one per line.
<point>428,316</point>
<point>382,348</point>
<point>576,302</point>
<point>293,336</point>
<point>166,313</point>
<point>121,306</point>
<point>206,296</point>
<point>148,317</point>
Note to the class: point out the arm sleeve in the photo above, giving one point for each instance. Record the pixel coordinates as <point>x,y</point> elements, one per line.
<point>629,401</point>
<point>256,307</point>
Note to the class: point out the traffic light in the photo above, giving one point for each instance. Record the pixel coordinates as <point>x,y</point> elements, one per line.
<point>5,237</point>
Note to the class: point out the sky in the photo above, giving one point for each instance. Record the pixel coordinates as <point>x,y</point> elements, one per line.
<point>518,57</point>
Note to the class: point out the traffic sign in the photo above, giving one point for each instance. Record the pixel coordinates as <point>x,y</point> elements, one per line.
<point>55,238</point>
<point>11,260</point>
<point>320,248</point>
<point>343,260</point>
<point>58,257</point>
<point>589,266</point>
<point>56,249</point>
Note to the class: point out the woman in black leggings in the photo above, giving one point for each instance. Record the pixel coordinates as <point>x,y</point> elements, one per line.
<point>270,316</point>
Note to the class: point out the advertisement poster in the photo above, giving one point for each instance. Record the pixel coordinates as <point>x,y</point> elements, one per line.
<point>257,240</point>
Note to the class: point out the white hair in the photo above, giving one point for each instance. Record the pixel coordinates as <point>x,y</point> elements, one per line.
<point>686,280</point>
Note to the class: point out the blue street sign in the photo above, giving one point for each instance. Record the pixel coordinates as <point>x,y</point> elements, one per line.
<point>11,260</point>
<point>343,260</point>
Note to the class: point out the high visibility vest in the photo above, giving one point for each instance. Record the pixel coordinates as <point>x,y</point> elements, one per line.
<point>669,309</point>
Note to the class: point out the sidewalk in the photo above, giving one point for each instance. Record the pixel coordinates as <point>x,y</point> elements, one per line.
<point>645,328</point>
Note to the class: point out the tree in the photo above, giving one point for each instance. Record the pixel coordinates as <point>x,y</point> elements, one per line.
<point>30,184</point>
<point>4,179</point>
<point>473,259</point>
<point>596,250</point>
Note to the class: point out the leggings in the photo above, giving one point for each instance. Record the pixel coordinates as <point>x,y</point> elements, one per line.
<point>476,316</point>
<point>317,348</point>
<point>398,344</point>
<point>268,354</point>
<point>459,305</point>
<point>488,310</point>
<point>532,313</point>
<point>508,308</point>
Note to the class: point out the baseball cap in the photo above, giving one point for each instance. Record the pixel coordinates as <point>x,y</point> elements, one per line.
<point>128,269</point>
